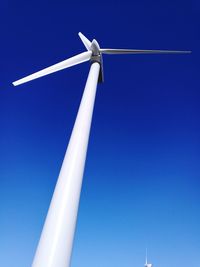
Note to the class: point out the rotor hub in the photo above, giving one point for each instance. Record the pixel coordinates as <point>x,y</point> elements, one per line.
<point>95,48</point>
<point>96,55</point>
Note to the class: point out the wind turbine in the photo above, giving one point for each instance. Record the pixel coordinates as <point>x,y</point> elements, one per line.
<point>146,262</point>
<point>55,245</point>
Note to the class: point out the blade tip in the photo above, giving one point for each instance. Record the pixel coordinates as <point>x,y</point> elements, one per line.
<point>15,83</point>
<point>187,51</point>
<point>18,82</point>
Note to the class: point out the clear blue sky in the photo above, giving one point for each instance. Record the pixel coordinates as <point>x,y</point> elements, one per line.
<point>142,179</point>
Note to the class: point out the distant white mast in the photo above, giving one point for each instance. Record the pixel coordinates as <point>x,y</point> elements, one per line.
<point>146,257</point>
<point>146,262</point>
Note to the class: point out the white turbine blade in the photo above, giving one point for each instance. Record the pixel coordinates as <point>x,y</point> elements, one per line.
<point>80,58</point>
<point>85,41</point>
<point>137,51</point>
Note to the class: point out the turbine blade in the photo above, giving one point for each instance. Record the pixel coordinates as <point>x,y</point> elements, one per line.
<point>80,58</point>
<point>137,51</point>
<point>85,41</point>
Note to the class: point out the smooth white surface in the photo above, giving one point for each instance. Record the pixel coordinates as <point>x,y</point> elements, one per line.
<point>85,41</point>
<point>80,58</point>
<point>55,245</point>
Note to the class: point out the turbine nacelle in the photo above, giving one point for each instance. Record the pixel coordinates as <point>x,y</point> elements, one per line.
<point>97,57</point>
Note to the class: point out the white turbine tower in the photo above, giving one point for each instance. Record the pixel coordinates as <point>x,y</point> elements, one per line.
<point>55,245</point>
